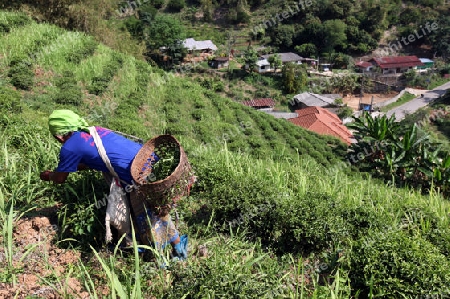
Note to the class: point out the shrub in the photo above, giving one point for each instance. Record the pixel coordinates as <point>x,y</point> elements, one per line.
<point>9,101</point>
<point>69,93</point>
<point>79,218</point>
<point>100,83</point>
<point>212,84</point>
<point>21,73</point>
<point>197,114</point>
<point>157,3</point>
<point>87,49</point>
<point>176,129</point>
<point>310,223</point>
<point>176,5</point>
<point>13,20</point>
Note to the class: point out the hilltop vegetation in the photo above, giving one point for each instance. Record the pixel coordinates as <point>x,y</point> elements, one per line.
<point>277,222</point>
<point>312,28</point>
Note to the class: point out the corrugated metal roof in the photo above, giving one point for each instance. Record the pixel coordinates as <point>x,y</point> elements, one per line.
<point>265,102</point>
<point>363,64</point>
<point>322,121</point>
<point>312,99</point>
<point>285,115</point>
<point>192,44</point>
<point>397,61</point>
<point>262,62</point>
<point>424,60</point>
<point>285,57</point>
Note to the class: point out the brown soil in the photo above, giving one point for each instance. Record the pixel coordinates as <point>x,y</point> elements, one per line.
<point>46,261</point>
<point>353,100</point>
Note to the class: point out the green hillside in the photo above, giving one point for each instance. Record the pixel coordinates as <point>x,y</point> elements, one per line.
<point>128,95</point>
<point>276,222</point>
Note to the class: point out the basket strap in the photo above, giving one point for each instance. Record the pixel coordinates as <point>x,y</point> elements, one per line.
<point>101,151</point>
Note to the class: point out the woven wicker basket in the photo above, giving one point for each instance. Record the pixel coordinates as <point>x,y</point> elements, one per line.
<point>166,191</point>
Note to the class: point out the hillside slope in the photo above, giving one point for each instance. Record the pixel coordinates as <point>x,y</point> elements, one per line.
<point>128,95</point>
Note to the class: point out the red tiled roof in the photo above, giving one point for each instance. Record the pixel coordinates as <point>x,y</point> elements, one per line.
<point>322,121</point>
<point>397,61</point>
<point>267,102</point>
<point>363,64</point>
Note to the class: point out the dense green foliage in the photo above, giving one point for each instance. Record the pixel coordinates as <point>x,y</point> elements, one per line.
<point>68,91</point>
<point>400,155</point>
<point>9,101</point>
<point>313,27</point>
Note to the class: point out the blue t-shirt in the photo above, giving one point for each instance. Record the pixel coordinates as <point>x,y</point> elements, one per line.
<point>80,148</point>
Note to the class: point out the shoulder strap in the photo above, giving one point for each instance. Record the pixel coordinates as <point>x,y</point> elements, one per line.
<point>101,151</point>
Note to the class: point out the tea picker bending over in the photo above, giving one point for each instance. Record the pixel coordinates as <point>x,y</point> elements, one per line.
<point>101,149</point>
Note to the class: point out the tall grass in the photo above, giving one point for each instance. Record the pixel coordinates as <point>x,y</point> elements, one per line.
<point>55,55</point>
<point>19,41</point>
<point>93,65</point>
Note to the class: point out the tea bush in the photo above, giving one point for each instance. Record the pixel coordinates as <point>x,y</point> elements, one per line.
<point>21,73</point>
<point>69,92</point>
<point>232,271</point>
<point>311,223</point>
<point>391,264</point>
<point>100,83</point>
<point>81,216</point>
<point>420,220</point>
<point>86,49</point>
<point>10,20</point>
<point>9,101</point>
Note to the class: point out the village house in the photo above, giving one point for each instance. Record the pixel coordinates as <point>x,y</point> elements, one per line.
<point>286,57</point>
<point>309,99</point>
<point>391,65</point>
<point>260,104</point>
<point>219,62</point>
<point>427,63</point>
<point>364,66</point>
<point>263,65</point>
<point>323,122</point>
<point>199,49</point>
<point>267,105</point>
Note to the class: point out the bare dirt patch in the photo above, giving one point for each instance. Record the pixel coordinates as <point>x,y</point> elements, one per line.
<point>353,100</point>
<point>45,262</point>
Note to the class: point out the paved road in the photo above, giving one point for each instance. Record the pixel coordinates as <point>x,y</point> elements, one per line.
<point>419,102</point>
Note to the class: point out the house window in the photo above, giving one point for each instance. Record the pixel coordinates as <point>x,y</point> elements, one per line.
<point>398,70</point>
<point>263,67</point>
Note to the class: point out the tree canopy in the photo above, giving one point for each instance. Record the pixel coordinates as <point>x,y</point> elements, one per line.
<point>164,31</point>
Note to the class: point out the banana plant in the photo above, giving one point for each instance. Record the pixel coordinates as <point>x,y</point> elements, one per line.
<point>393,161</point>
<point>441,174</point>
<point>376,128</point>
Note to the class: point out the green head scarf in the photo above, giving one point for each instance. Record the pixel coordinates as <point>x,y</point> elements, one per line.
<point>61,122</point>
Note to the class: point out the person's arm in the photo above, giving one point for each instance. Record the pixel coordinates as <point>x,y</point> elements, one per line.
<point>54,176</point>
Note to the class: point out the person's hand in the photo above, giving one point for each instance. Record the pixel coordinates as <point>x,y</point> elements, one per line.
<point>180,251</point>
<point>45,175</point>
